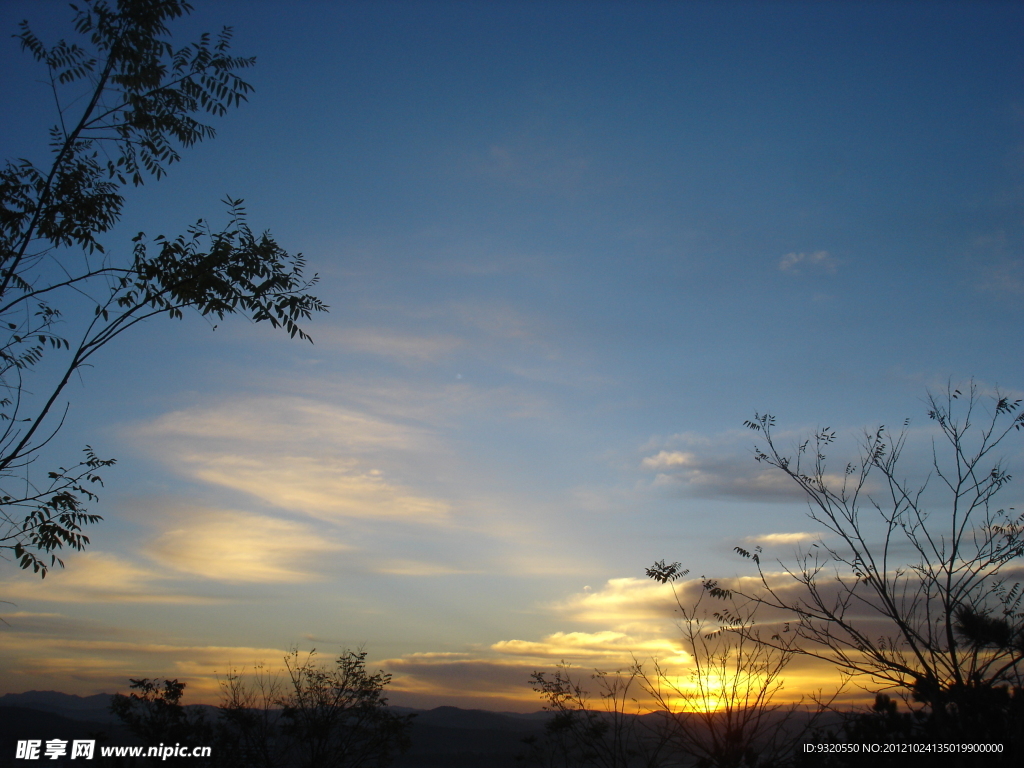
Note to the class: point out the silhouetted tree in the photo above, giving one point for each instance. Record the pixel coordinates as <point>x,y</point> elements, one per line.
<point>250,719</point>
<point>320,717</point>
<point>606,733</point>
<point>725,712</point>
<point>154,713</point>
<point>126,102</point>
<point>912,591</point>
<point>722,713</point>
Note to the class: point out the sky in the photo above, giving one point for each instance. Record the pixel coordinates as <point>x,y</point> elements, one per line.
<point>568,248</point>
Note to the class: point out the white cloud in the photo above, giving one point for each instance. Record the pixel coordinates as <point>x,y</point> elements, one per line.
<point>783,538</point>
<point>667,459</point>
<point>530,161</point>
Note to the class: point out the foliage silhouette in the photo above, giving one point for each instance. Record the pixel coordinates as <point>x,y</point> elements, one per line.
<point>313,716</point>
<point>319,717</point>
<point>723,714</point>
<point>610,736</point>
<point>727,714</point>
<point>137,100</point>
<point>942,627</point>
<point>154,713</point>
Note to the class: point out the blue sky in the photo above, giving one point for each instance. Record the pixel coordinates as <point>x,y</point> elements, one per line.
<point>568,248</point>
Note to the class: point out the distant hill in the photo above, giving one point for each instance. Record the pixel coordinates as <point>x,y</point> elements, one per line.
<point>449,737</point>
<point>444,737</point>
<point>65,704</point>
<point>19,723</point>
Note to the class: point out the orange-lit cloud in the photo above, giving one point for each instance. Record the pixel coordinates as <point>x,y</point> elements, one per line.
<point>625,604</point>
<point>241,547</point>
<point>99,577</point>
<point>602,648</point>
<point>104,664</point>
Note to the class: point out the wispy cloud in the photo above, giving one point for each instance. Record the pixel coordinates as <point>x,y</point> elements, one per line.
<point>320,487</point>
<point>282,421</point>
<point>606,648</point>
<point>299,455</point>
<point>716,475</point>
<point>818,261</point>
<point>403,347</point>
<point>419,568</point>
<point>46,658</point>
<point>721,466</point>
<point>100,577</point>
<point>625,604</point>
<point>1005,275</point>
<point>237,546</point>
<point>783,538</point>
<point>527,161</point>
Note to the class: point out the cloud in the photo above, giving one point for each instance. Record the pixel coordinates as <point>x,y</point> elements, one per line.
<point>634,620</point>
<point>406,348</point>
<point>242,547</point>
<point>606,647</point>
<point>104,660</point>
<point>1005,275</point>
<point>432,679</point>
<point>624,604</point>
<point>819,261</point>
<point>100,577</point>
<point>715,467</point>
<point>319,486</point>
<point>282,421</point>
<point>529,162</point>
<point>708,475</point>
<point>668,459</point>
<point>419,568</point>
<point>783,538</point>
<point>299,455</point>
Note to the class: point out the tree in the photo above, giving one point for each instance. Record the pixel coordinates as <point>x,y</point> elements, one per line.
<point>156,716</point>
<point>126,102</point>
<point>249,718</point>
<point>613,735</point>
<point>727,715</point>
<point>321,717</point>
<point>723,713</point>
<point>912,588</point>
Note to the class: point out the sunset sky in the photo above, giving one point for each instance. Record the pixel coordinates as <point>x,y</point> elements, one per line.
<point>568,249</point>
